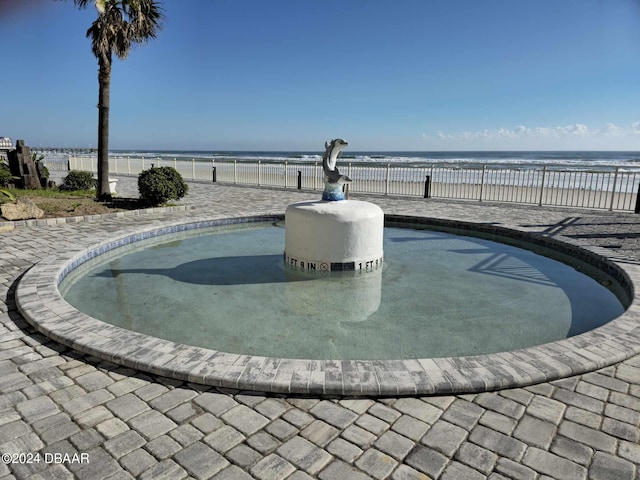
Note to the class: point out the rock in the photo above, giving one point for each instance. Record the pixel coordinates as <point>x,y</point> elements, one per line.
<point>21,165</point>
<point>21,210</point>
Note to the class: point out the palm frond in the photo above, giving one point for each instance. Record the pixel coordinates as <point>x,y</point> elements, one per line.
<point>121,25</point>
<point>82,3</point>
<point>8,194</point>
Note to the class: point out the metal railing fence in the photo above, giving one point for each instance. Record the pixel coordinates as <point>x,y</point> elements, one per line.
<point>604,188</point>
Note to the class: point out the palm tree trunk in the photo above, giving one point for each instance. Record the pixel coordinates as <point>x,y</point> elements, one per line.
<point>104,80</point>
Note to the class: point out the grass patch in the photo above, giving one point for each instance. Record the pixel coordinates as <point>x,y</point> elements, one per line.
<point>60,203</point>
<point>53,193</point>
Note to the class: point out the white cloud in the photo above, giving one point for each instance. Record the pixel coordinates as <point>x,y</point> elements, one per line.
<point>611,129</point>
<point>577,130</point>
<point>445,137</point>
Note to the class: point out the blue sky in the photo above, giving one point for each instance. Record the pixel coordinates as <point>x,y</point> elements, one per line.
<point>288,75</point>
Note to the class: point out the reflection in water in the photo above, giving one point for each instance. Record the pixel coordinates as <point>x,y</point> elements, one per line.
<point>347,297</point>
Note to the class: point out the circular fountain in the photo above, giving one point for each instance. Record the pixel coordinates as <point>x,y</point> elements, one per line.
<point>266,310</point>
<point>439,294</point>
<point>352,327</point>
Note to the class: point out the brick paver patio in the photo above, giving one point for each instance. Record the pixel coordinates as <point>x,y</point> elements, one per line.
<point>74,416</point>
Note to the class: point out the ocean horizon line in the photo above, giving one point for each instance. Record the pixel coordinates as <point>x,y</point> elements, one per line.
<point>519,158</point>
<point>356,151</point>
<point>269,150</point>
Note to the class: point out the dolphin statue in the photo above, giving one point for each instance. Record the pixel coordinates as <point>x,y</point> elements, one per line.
<point>332,151</point>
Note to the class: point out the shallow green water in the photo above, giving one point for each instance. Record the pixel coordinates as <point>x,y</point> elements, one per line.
<point>438,295</point>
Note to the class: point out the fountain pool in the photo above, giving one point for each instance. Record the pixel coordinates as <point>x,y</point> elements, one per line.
<point>473,308</point>
<point>438,295</point>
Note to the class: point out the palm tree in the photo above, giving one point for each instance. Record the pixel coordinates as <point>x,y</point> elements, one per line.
<point>120,25</point>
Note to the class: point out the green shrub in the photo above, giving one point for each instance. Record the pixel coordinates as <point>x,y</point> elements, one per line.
<point>77,180</point>
<point>174,177</point>
<point>5,175</point>
<point>161,184</point>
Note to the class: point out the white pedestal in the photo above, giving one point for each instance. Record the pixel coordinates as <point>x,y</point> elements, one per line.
<point>113,183</point>
<point>334,236</point>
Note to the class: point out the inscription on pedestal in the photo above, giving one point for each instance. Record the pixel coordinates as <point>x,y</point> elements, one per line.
<point>323,266</point>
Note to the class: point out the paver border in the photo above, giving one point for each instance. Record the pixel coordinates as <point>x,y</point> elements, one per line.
<point>40,302</point>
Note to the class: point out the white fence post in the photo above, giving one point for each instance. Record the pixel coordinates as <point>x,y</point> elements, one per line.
<point>386,182</point>
<point>431,180</point>
<point>315,175</point>
<point>544,176</point>
<point>193,168</point>
<point>613,190</point>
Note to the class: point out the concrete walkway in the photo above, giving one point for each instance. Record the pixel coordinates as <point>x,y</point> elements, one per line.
<point>73,416</point>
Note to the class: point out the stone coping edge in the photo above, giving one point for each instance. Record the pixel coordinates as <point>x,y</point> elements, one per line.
<point>43,222</point>
<point>40,302</point>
